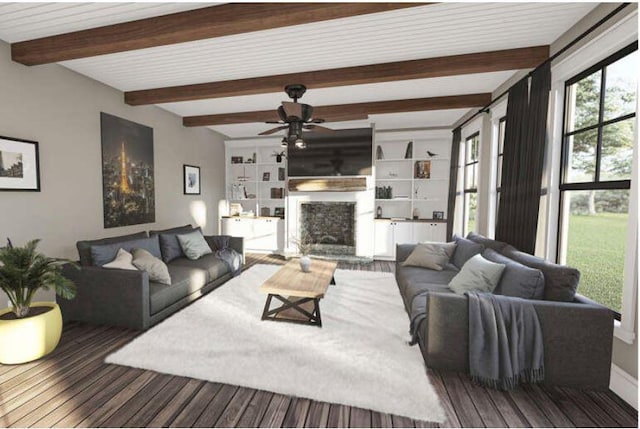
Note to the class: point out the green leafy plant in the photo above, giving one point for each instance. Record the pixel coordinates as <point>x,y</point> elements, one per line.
<point>23,271</point>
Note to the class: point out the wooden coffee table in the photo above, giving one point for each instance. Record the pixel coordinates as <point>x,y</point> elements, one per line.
<point>299,292</point>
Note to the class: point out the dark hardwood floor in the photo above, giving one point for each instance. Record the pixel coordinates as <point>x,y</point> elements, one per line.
<point>74,387</point>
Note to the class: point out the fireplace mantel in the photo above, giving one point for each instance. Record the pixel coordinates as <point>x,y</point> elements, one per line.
<point>329,184</point>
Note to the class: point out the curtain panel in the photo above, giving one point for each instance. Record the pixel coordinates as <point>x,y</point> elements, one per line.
<point>453,181</point>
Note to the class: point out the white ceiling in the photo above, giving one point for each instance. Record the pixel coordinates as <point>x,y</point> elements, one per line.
<point>420,32</point>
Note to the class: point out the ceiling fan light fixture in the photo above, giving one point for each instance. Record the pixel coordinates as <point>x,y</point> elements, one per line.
<point>284,142</point>
<point>300,144</point>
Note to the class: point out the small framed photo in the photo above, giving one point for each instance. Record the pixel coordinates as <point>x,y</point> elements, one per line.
<point>266,176</point>
<point>265,211</point>
<point>19,165</point>
<point>438,215</point>
<point>278,212</point>
<point>191,180</point>
<point>236,160</point>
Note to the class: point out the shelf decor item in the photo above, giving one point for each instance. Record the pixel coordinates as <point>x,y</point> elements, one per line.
<point>279,155</point>
<point>409,152</point>
<point>236,160</point>
<point>266,176</point>
<point>422,170</point>
<point>19,165</point>
<point>438,215</point>
<point>379,213</point>
<point>191,178</point>
<point>265,211</point>
<point>379,153</point>
<point>279,212</point>
<point>281,173</point>
<point>30,330</point>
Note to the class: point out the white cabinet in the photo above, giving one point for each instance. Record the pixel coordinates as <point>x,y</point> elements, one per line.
<point>390,233</point>
<point>260,234</point>
<point>429,231</point>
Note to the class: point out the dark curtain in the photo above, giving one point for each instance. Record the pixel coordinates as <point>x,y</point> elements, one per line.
<point>523,156</point>
<point>453,180</point>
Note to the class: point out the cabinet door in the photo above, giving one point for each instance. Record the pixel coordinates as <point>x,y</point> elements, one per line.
<point>235,227</point>
<point>422,232</point>
<point>265,235</point>
<point>439,232</point>
<point>384,245</point>
<point>403,233</point>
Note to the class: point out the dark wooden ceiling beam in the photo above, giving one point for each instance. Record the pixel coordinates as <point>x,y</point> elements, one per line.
<point>205,23</point>
<point>348,112</point>
<point>481,62</point>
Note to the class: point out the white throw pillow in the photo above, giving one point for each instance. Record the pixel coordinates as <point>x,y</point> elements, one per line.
<point>477,274</point>
<point>194,245</point>
<point>430,255</point>
<point>157,270</point>
<point>123,261</point>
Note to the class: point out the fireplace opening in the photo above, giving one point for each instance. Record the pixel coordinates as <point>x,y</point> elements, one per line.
<point>330,227</point>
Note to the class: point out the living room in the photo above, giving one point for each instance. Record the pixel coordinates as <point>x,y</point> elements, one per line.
<point>344,132</point>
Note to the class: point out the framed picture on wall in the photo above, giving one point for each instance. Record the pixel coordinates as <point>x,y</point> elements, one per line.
<point>19,165</point>
<point>191,180</point>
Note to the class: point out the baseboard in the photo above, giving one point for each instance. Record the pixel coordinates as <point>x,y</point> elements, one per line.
<point>624,385</point>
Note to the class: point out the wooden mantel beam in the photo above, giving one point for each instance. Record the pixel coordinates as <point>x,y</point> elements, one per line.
<point>348,112</point>
<point>205,23</point>
<point>481,62</point>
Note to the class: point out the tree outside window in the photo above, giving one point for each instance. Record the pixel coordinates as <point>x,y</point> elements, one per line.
<point>470,201</point>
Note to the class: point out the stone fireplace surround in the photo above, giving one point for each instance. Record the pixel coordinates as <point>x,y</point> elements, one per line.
<point>330,226</point>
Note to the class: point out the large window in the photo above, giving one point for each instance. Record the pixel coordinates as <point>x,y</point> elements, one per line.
<point>470,206</point>
<point>502,123</point>
<point>600,110</point>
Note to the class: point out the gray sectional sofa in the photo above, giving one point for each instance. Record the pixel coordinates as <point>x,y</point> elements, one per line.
<point>578,333</point>
<point>127,298</point>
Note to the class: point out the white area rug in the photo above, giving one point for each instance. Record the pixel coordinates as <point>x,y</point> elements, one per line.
<point>359,357</point>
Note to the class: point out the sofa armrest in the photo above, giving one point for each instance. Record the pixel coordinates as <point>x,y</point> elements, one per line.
<point>108,296</point>
<point>235,243</point>
<point>577,339</point>
<point>403,251</point>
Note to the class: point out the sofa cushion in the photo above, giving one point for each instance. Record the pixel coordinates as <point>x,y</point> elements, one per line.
<point>193,244</point>
<point>157,270</point>
<point>184,282</point>
<point>214,267</point>
<point>561,282</point>
<point>104,253</point>
<point>84,246</point>
<point>517,280</point>
<point>433,256</point>
<point>478,274</point>
<point>122,261</point>
<point>488,243</point>
<point>169,244</point>
<point>465,249</point>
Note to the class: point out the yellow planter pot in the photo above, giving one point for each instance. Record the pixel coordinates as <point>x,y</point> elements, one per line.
<point>24,340</point>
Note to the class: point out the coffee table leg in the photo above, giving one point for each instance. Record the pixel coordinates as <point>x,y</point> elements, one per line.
<point>266,307</point>
<point>316,303</point>
<point>333,281</point>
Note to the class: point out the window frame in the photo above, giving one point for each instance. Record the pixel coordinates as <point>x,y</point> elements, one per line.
<point>502,122</point>
<point>596,184</point>
<point>473,190</point>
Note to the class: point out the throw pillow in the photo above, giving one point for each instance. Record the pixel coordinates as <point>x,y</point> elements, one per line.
<point>430,255</point>
<point>465,249</point>
<point>157,270</point>
<point>488,243</point>
<point>477,274</point>
<point>517,280</point>
<point>105,253</point>
<point>84,246</point>
<point>122,261</point>
<point>169,243</point>
<point>194,245</point>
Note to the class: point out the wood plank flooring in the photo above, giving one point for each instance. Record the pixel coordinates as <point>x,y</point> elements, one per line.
<point>73,387</point>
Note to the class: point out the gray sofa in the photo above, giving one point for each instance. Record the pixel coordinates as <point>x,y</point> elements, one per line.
<point>127,298</point>
<point>578,333</point>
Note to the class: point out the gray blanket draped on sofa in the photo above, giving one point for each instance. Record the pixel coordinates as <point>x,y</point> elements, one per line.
<point>505,341</point>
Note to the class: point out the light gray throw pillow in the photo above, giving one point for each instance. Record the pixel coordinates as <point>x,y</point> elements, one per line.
<point>123,261</point>
<point>477,274</point>
<point>194,245</point>
<point>430,255</point>
<point>145,261</point>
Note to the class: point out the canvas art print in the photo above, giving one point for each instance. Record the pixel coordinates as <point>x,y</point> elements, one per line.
<point>127,172</point>
<point>19,170</point>
<point>191,180</point>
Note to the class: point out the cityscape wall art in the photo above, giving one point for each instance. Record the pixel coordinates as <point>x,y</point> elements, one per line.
<point>128,186</point>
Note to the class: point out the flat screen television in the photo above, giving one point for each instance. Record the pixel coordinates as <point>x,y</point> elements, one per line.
<point>341,153</point>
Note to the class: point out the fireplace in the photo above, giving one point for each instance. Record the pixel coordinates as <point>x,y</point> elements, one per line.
<point>329,226</point>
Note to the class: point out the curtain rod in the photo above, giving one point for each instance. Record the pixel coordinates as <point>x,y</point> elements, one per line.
<point>548,60</point>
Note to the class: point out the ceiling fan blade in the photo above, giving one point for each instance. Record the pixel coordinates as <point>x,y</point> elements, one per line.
<point>274,122</point>
<point>273,130</point>
<point>317,121</point>
<point>319,129</point>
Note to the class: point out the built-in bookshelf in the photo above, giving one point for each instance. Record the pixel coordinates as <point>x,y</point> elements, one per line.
<point>412,183</point>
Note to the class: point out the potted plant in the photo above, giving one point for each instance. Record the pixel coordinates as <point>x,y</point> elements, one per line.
<point>304,248</point>
<point>30,330</point>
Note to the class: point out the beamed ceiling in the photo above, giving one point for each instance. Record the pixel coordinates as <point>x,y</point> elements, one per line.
<point>223,66</point>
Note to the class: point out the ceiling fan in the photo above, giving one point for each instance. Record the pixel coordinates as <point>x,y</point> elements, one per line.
<point>295,117</point>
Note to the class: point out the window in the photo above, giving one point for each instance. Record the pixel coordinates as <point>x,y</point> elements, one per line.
<point>597,152</point>
<point>502,123</point>
<point>470,190</point>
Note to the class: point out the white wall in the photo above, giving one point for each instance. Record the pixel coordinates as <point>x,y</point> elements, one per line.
<point>60,109</point>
